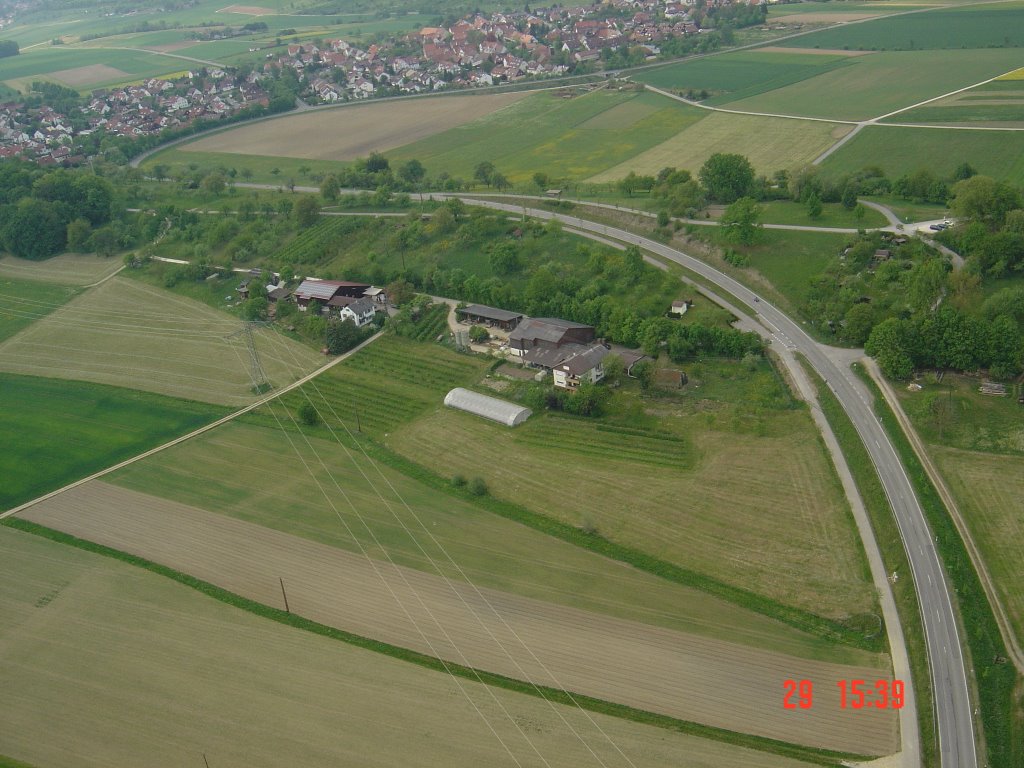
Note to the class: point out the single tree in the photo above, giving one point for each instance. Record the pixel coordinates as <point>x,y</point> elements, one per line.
<point>483,172</point>
<point>727,177</point>
<point>330,188</point>
<point>741,222</point>
<point>814,206</point>
<point>307,211</point>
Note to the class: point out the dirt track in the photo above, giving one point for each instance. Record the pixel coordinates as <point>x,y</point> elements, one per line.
<point>685,676</point>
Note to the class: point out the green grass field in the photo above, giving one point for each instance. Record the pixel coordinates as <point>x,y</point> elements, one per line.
<point>92,644</point>
<point>262,168</point>
<point>44,62</point>
<point>738,75</point>
<point>853,92</point>
<point>992,103</point>
<point>22,302</point>
<point>58,431</point>
<point>769,143</point>
<point>832,215</point>
<point>791,259</point>
<point>126,333</point>
<point>905,150</point>
<point>952,28</point>
<point>694,479</point>
<point>562,137</point>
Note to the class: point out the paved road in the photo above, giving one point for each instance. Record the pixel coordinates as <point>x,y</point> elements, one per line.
<point>954,718</point>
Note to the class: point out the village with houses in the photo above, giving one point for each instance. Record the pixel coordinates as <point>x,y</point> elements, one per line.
<point>476,51</point>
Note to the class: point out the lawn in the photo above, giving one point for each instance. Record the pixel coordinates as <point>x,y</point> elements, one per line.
<point>737,75</point>
<point>22,302</point>
<point>832,215</point>
<point>953,28</point>
<point>904,150</point>
<point>92,644</point>
<point>853,92</point>
<point>58,431</point>
<point>129,334</point>
<point>769,143</point>
<point>791,259</point>
<point>565,138</point>
<point>704,479</point>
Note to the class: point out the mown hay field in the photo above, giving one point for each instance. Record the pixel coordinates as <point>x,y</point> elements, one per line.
<point>870,86</point>
<point>67,269</point>
<point>57,431</point>
<point>276,480</point>
<point>763,513</point>
<point>989,488</point>
<point>707,680</point>
<point>91,644</point>
<point>999,154</point>
<point>129,334</point>
<point>355,131</point>
<point>562,137</point>
<point>769,143</point>
<point>22,302</point>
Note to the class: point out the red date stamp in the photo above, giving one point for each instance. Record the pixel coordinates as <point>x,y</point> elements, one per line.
<point>853,694</point>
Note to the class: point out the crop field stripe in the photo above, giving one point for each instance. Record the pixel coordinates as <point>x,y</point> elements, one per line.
<point>816,756</point>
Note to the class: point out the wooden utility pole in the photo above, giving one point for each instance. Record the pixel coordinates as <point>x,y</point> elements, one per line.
<point>284,595</point>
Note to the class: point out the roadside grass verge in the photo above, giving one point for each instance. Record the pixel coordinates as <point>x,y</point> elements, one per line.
<point>556,696</point>
<point>58,431</point>
<point>998,686</point>
<point>894,557</point>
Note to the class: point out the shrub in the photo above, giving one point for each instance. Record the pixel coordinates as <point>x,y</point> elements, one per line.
<point>458,481</point>
<point>477,486</point>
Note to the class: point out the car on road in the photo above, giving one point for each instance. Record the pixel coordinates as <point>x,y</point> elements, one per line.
<point>939,227</point>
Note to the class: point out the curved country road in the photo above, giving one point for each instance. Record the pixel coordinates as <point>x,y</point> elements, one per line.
<point>954,715</point>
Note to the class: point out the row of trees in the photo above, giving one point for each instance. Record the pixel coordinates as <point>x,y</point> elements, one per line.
<point>947,338</point>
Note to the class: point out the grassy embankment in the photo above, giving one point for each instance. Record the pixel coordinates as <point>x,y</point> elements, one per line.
<point>999,688</point>
<point>894,557</point>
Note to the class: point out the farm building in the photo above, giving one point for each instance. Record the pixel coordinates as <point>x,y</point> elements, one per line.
<point>541,333</point>
<point>376,294</point>
<point>490,316</point>
<point>491,408</point>
<point>582,365</point>
<point>360,312</point>
<point>320,292</point>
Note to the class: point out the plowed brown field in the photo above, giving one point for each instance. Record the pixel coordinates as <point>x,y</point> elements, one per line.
<point>693,678</point>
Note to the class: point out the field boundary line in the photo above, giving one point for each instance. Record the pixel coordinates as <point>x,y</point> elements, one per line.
<point>1005,628</point>
<point>195,433</point>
